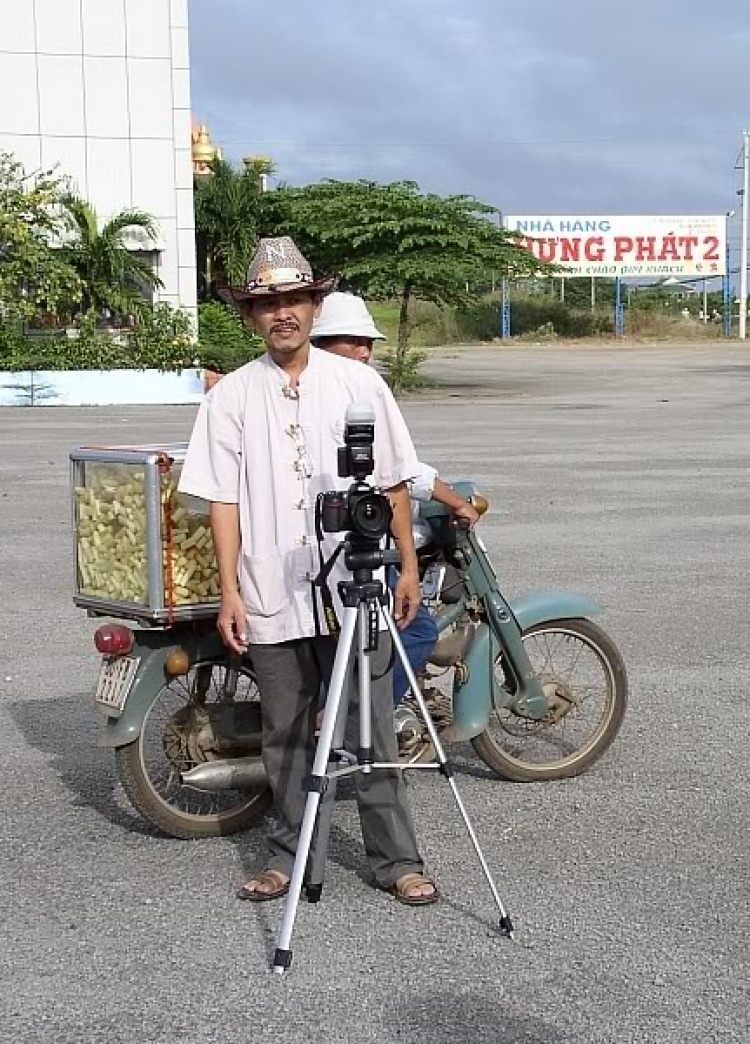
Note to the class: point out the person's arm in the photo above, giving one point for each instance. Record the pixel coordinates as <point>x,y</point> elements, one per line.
<point>407,594</point>
<point>212,472</point>
<point>225,529</point>
<point>461,508</point>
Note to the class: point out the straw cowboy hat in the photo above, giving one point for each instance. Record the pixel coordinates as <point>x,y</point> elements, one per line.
<point>345,315</point>
<point>277,268</point>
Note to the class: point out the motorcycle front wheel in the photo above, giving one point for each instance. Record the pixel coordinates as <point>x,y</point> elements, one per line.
<point>179,732</point>
<point>584,679</point>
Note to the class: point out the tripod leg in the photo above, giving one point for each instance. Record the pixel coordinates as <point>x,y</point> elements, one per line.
<point>365,755</point>
<point>316,867</point>
<point>446,769</point>
<point>316,787</point>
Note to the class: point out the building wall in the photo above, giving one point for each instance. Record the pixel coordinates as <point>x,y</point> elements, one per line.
<point>102,89</point>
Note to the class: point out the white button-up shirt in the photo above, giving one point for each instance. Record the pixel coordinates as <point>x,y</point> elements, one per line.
<point>272,450</point>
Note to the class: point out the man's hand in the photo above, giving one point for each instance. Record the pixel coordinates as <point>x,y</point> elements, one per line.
<point>461,508</point>
<point>407,594</point>
<point>466,510</point>
<point>406,599</point>
<point>225,529</point>
<point>232,622</point>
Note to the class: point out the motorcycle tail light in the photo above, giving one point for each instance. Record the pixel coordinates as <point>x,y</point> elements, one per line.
<point>114,640</point>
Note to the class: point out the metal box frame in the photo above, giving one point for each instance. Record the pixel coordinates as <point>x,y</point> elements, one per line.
<point>155,462</point>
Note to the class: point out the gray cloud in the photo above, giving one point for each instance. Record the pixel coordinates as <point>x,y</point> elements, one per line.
<point>537,106</point>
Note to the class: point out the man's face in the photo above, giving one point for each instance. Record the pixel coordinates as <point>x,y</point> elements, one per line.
<point>357,348</point>
<point>283,321</point>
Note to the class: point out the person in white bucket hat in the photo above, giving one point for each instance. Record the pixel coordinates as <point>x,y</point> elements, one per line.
<point>346,328</point>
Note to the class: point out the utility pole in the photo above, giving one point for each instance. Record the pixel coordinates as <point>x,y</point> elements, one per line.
<point>743,252</point>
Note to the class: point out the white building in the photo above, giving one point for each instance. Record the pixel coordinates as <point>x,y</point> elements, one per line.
<point>101,88</point>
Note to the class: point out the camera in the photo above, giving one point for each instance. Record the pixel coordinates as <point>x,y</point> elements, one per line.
<point>360,510</point>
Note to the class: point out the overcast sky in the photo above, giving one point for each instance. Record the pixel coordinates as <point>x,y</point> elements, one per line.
<point>537,106</point>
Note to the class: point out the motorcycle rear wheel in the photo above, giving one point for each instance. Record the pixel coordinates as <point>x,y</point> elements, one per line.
<point>581,723</point>
<point>149,767</point>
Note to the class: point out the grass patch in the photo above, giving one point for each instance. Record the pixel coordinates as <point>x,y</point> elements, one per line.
<point>432,326</point>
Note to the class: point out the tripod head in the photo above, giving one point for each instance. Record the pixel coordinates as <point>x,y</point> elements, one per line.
<point>363,557</point>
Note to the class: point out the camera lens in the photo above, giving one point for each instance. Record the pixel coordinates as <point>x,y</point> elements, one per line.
<point>371,515</point>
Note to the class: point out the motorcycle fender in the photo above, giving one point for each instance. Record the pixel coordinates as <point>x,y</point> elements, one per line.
<point>473,701</point>
<point>543,606</point>
<point>153,650</point>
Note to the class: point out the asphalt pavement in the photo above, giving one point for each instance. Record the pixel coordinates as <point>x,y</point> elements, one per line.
<point>622,474</point>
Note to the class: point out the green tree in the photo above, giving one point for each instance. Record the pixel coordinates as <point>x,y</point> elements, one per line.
<point>391,241</point>
<point>111,275</point>
<point>34,276</point>
<point>227,206</point>
<point>262,168</point>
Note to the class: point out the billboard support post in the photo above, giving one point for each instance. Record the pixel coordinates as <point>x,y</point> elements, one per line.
<point>619,310</point>
<point>728,297</point>
<point>505,311</point>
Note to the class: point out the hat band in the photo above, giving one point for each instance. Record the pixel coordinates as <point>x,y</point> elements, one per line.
<point>279,277</point>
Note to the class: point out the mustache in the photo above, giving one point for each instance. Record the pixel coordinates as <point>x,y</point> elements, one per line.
<point>285,327</point>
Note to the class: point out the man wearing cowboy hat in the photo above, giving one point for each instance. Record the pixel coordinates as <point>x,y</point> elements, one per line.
<point>346,328</point>
<point>263,447</point>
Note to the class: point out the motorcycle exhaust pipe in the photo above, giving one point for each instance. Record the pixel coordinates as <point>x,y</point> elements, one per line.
<point>229,774</point>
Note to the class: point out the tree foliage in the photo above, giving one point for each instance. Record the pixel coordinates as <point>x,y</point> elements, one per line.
<point>111,274</point>
<point>227,207</point>
<point>392,241</point>
<point>34,276</point>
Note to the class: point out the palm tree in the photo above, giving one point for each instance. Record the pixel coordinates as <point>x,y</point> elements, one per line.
<point>227,208</point>
<point>112,275</point>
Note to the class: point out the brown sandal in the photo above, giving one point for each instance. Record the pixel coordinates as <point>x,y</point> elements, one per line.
<point>400,890</point>
<point>278,881</point>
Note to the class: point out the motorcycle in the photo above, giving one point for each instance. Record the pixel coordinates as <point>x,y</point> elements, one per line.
<point>538,690</point>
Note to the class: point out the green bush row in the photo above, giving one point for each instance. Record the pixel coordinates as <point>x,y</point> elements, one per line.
<point>481,321</point>
<point>161,340</point>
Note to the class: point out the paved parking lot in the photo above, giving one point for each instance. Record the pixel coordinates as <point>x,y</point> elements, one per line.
<point>619,473</point>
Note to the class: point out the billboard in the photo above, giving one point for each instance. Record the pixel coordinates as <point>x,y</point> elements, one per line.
<point>653,247</point>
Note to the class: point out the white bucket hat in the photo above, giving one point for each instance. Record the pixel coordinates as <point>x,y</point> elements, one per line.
<point>345,315</point>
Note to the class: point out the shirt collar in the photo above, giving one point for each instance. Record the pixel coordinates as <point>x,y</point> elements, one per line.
<point>282,378</point>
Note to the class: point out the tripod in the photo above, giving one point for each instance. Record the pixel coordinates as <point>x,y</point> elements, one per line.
<point>365,601</point>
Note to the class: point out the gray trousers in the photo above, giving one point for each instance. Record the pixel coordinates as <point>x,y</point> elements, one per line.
<point>289,677</point>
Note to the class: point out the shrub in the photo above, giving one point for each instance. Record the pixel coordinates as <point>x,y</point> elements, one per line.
<point>544,333</point>
<point>481,321</point>
<point>224,342</point>
<point>161,339</point>
<point>402,371</point>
